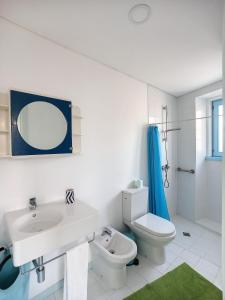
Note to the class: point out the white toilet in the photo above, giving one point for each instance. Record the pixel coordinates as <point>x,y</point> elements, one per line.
<point>111,252</point>
<point>153,233</point>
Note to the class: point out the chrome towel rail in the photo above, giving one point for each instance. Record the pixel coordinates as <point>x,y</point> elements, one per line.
<point>52,259</point>
<point>191,171</point>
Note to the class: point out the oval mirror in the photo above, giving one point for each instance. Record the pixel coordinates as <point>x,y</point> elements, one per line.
<point>42,125</point>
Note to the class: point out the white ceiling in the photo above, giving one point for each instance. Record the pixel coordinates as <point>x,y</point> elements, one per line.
<point>178,50</point>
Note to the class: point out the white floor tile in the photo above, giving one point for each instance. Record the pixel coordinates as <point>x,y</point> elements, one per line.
<point>207,269</point>
<point>51,297</point>
<point>97,288</point>
<point>198,249</point>
<point>95,292</point>
<point>202,251</point>
<point>214,257</point>
<point>190,258</point>
<point>134,280</point>
<point>162,268</point>
<point>143,262</point>
<point>121,293</point>
<point>173,247</point>
<point>185,241</point>
<point>149,273</point>
<point>218,280</point>
<point>177,262</point>
<point>170,256</point>
<point>59,294</point>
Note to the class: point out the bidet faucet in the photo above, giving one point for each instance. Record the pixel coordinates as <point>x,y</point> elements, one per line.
<point>32,203</point>
<point>106,230</point>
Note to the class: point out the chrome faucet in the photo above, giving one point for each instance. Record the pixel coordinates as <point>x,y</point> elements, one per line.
<point>32,203</point>
<point>106,230</point>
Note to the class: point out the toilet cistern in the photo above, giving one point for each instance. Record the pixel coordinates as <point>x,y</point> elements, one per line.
<point>152,232</point>
<point>32,203</point>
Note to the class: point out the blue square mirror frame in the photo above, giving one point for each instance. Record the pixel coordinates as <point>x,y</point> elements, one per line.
<point>40,125</point>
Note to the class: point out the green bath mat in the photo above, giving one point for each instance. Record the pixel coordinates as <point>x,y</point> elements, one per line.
<point>183,283</point>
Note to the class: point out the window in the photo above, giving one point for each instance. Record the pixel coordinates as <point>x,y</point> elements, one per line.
<point>217,128</point>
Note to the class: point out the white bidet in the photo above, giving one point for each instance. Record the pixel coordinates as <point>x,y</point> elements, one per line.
<point>111,252</point>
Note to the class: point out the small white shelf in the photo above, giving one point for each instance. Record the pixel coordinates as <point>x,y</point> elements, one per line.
<point>76,129</point>
<point>5,142</point>
<point>77,117</point>
<point>4,107</point>
<point>4,155</point>
<point>4,131</point>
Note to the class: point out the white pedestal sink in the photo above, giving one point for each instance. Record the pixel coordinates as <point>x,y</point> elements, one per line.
<point>37,221</point>
<point>35,233</point>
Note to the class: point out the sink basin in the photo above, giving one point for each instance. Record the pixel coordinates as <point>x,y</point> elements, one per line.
<point>37,221</point>
<point>35,233</point>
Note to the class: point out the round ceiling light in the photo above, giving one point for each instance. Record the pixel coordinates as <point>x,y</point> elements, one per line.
<point>139,13</point>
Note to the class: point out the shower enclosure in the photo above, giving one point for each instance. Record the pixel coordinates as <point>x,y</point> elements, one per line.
<point>200,194</point>
<point>192,168</point>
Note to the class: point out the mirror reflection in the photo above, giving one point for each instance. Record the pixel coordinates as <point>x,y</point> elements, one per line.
<point>42,125</point>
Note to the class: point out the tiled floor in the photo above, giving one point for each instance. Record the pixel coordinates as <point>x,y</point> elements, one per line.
<point>202,251</point>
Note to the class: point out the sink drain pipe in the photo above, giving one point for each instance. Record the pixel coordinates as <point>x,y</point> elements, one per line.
<point>40,269</point>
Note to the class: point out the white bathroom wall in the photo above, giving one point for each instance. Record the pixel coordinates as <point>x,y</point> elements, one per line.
<point>201,153</point>
<point>157,99</point>
<point>223,168</point>
<point>115,114</point>
<point>186,158</point>
<point>190,154</point>
<point>114,108</point>
<point>208,172</point>
<point>214,190</point>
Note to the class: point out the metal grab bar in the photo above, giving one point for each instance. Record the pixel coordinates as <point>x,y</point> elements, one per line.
<point>172,129</point>
<point>191,171</point>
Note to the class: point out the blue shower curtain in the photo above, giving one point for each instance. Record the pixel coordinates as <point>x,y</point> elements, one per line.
<point>157,198</point>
